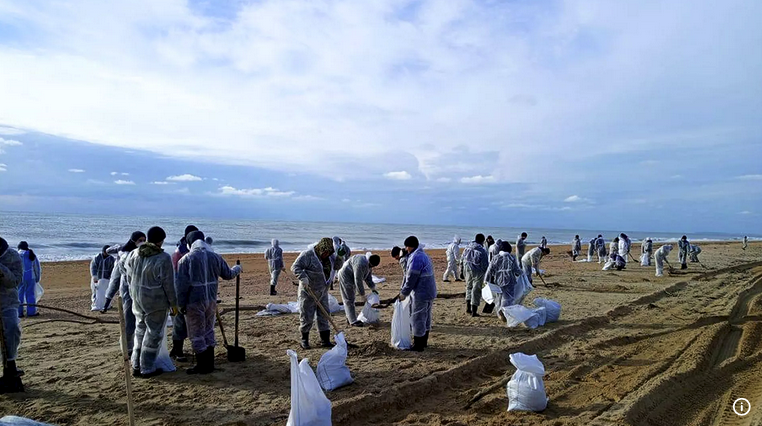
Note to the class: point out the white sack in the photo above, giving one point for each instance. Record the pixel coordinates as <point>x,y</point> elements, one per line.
<point>526,391</point>
<point>517,314</point>
<point>378,280</point>
<point>332,370</point>
<point>163,361</point>
<point>368,315</point>
<point>333,304</point>
<point>401,331</point>
<point>552,308</point>
<point>522,288</point>
<point>537,320</point>
<point>309,405</point>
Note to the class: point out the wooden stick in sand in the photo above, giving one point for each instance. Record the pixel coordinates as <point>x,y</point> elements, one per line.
<point>127,366</point>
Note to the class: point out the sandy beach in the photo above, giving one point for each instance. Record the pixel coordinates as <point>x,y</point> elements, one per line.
<point>630,348</point>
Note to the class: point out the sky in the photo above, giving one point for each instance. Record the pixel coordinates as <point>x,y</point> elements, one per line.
<point>564,114</point>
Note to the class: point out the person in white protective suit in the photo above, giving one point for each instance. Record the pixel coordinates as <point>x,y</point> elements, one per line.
<point>624,246</point>
<point>660,257</point>
<point>531,260</point>
<point>475,262</point>
<point>356,273</point>
<point>694,252</point>
<point>401,257</point>
<point>341,253</point>
<point>421,286</point>
<point>274,256</point>
<point>101,268</point>
<point>315,268</point>
<point>32,275</point>
<point>453,253</point>
<point>646,251</point>
<point>120,281</point>
<point>576,247</point>
<point>494,249</point>
<point>196,283</point>
<point>745,242</point>
<point>614,247</point>
<point>11,276</point>
<point>600,245</point>
<point>543,242</point>
<point>591,248</point>
<point>521,245</point>
<point>152,288</point>
<point>503,271</point>
<point>683,247</point>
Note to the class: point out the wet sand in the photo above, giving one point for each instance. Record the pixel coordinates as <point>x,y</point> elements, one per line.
<point>630,348</point>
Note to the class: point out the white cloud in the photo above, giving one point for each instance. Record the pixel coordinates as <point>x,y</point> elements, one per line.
<point>255,192</point>
<point>124,182</point>
<point>446,75</point>
<point>573,199</point>
<point>162,182</point>
<point>3,167</point>
<point>403,175</point>
<point>118,173</point>
<point>8,142</point>
<point>750,177</point>
<point>76,171</point>
<point>114,173</point>
<point>125,174</point>
<point>10,131</point>
<point>477,179</point>
<point>184,178</point>
<point>745,212</point>
<point>676,177</point>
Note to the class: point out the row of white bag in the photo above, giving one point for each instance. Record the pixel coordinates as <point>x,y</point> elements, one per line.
<point>309,405</point>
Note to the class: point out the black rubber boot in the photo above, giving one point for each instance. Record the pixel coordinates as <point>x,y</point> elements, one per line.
<point>358,324</point>
<point>325,339</point>
<point>468,306</point>
<point>155,373</point>
<point>11,380</point>
<point>418,345</point>
<point>106,305</point>
<point>177,351</point>
<point>200,366</point>
<point>475,311</point>
<point>272,291</point>
<point>305,343</point>
<point>209,360</point>
<point>683,266</point>
<point>11,370</point>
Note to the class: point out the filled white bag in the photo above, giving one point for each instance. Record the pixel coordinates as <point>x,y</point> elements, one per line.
<point>163,361</point>
<point>536,320</point>
<point>401,331</point>
<point>100,293</point>
<point>333,304</point>
<point>39,291</point>
<point>517,314</point>
<point>489,291</point>
<point>526,391</point>
<point>552,308</point>
<point>332,370</point>
<point>368,315</point>
<point>378,280</point>
<point>309,405</point>
<point>522,288</point>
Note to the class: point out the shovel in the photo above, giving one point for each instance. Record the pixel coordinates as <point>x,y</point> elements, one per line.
<point>235,352</point>
<point>324,311</point>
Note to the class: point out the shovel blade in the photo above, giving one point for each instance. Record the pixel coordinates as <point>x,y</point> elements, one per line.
<point>236,354</point>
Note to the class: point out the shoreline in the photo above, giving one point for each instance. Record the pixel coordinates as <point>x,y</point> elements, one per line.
<point>462,245</point>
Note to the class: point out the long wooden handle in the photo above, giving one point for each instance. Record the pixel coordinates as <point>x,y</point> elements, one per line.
<point>222,329</point>
<point>127,366</point>
<point>322,309</point>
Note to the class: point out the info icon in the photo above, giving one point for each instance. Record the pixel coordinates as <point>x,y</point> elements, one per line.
<point>741,406</point>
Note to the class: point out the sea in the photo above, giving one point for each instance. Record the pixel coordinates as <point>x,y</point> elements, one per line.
<point>60,237</point>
